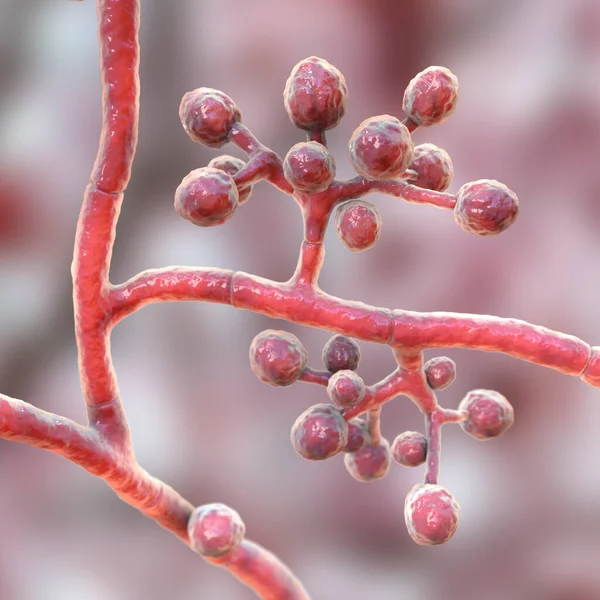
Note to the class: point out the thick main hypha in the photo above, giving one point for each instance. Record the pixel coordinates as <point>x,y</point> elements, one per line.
<point>387,162</point>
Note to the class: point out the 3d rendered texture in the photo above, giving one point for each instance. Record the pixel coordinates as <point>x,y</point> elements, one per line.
<point>416,266</point>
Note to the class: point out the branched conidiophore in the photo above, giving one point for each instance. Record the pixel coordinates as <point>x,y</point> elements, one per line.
<point>386,162</point>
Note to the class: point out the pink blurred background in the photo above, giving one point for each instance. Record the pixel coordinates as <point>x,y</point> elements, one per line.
<point>528,115</point>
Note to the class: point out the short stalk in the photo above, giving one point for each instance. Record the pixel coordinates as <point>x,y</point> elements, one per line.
<point>374,425</point>
<point>433,427</point>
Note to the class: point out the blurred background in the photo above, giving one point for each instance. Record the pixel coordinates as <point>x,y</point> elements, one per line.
<point>528,115</point>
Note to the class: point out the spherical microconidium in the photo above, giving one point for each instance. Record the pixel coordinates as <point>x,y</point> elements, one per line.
<point>440,372</point>
<point>381,148</point>
<point>489,414</point>
<point>358,225</point>
<point>433,167</point>
<point>309,167</point>
<point>207,115</point>
<point>320,432</point>
<point>215,530</point>
<point>431,514</point>
<point>277,357</point>
<point>231,165</point>
<point>207,197</point>
<point>370,462</point>
<point>409,449</point>
<point>485,207</point>
<point>431,96</point>
<point>341,353</point>
<point>357,435</point>
<point>315,95</point>
<point>346,388</point>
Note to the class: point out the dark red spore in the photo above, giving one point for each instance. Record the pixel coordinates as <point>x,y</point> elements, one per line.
<point>232,165</point>
<point>207,197</point>
<point>440,372</point>
<point>277,357</point>
<point>357,435</point>
<point>371,462</point>
<point>309,167</point>
<point>409,449</point>
<point>346,388</point>
<point>207,115</point>
<point>431,514</point>
<point>431,96</point>
<point>315,95</point>
<point>381,148</point>
<point>433,167</point>
<point>320,432</point>
<point>486,207</point>
<point>341,353</point>
<point>358,225</point>
<point>215,530</point>
<point>489,414</point>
